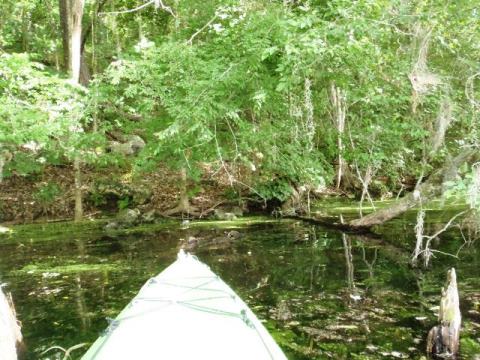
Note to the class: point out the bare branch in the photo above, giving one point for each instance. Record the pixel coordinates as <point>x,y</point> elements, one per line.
<point>127,11</point>
<point>427,252</point>
<point>439,252</point>
<point>189,41</point>
<point>445,228</point>
<point>158,5</point>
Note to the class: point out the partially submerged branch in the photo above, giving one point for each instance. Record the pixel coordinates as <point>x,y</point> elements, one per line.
<point>425,251</point>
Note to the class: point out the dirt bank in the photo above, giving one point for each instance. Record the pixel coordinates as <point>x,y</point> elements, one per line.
<point>50,195</point>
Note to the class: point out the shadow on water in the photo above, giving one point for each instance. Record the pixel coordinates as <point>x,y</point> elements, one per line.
<point>323,294</point>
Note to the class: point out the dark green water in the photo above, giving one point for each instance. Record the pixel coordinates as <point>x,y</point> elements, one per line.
<point>322,293</point>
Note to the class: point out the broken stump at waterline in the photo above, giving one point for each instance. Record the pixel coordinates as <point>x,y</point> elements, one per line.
<point>10,333</point>
<point>443,339</point>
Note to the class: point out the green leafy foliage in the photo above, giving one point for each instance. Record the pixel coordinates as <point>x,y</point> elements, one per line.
<point>47,193</point>
<point>243,86</point>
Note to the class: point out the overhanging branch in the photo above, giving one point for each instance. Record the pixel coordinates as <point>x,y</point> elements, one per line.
<point>158,5</point>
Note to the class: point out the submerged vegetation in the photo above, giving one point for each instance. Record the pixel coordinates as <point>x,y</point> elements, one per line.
<point>322,293</point>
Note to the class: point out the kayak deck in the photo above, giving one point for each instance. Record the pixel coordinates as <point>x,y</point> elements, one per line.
<point>186,312</point>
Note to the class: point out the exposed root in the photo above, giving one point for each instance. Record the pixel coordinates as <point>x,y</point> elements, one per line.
<point>211,209</point>
<point>184,206</point>
<point>183,209</point>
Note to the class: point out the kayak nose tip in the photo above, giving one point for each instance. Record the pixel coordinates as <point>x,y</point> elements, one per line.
<point>181,254</point>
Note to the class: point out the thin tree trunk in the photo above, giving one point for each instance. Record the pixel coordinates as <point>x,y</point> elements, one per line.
<point>184,206</point>
<point>338,100</point>
<point>26,22</point>
<point>184,203</point>
<point>88,30</point>
<point>85,75</point>
<point>76,39</point>
<point>116,35</point>
<point>140,29</point>
<point>347,248</point>
<point>75,13</point>
<point>64,6</point>
<point>78,189</point>
<point>54,29</point>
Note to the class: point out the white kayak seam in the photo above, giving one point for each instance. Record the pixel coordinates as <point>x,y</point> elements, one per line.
<point>172,300</point>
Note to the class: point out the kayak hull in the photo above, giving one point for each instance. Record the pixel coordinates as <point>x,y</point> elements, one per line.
<point>186,312</point>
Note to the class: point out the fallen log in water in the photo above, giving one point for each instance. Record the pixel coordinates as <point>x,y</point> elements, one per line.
<point>10,333</point>
<point>432,188</point>
<point>443,339</point>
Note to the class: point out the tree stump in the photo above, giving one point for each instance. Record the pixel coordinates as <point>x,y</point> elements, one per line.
<point>443,339</point>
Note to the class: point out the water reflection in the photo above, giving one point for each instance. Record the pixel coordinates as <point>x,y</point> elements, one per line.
<point>369,264</point>
<point>347,246</point>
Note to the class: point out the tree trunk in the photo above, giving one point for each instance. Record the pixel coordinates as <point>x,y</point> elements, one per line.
<point>76,38</point>
<point>184,203</point>
<point>71,13</point>
<point>64,6</point>
<point>338,101</point>
<point>26,24</point>
<point>88,29</point>
<point>85,75</point>
<point>78,189</point>
<point>184,206</point>
<point>429,190</point>
<point>347,248</point>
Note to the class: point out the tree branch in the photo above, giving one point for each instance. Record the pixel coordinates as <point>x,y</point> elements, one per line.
<point>189,41</point>
<point>158,5</point>
<point>445,228</point>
